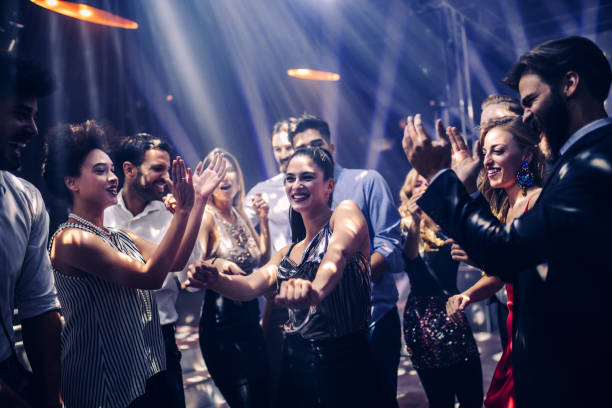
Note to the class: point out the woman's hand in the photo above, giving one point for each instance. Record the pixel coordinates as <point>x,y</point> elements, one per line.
<point>456,304</point>
<point>170,203</point>
<point>181,185</point>
<point>297,294</point>
<point>205,181</point>
<point>201,275</point>
<point>414,208</point>
<point>458,254</point>
<point>261,207</point>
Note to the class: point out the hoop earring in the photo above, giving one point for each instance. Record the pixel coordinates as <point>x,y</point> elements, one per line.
<point>524,177</point>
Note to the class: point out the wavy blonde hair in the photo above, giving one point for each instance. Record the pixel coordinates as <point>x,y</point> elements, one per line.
<point>429,229</point>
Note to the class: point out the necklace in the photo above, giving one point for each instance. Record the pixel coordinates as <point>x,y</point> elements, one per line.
<point>102,231</point>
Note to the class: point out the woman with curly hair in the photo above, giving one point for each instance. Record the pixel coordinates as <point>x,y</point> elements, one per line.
<point>112,346</point>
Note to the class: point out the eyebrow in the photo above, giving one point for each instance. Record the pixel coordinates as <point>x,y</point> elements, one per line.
<point>527,98</point>
<point>24,107</point>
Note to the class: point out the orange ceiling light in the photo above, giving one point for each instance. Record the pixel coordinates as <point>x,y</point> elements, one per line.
<point>86,13</point>
<point>305,73</point>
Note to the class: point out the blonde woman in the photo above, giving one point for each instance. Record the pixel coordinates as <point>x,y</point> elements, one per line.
<point>442,349</point>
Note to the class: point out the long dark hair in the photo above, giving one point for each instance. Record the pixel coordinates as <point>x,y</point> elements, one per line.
<point>324,161</point>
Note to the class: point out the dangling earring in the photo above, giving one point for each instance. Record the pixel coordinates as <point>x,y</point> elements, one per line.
<point>524,177</point>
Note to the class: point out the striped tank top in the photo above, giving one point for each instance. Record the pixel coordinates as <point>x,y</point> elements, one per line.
<point>112,341</point>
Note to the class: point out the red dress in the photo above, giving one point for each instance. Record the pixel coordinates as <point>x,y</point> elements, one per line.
<point>501,392</point>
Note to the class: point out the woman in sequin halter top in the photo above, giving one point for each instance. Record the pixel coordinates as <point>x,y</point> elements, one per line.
<point>231,338</point>
<point>112,344</point>
<point>324,280</point>
<point>442,349</point>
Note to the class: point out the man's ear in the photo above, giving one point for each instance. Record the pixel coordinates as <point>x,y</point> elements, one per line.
<point>71,183</point>
<point>569,84</point>
<point>129,170</point>
<point>332,148</point>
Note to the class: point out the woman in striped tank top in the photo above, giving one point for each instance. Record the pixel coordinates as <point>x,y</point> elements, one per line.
<point>112,346</point>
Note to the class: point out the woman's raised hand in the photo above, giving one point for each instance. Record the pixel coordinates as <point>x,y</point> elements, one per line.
<point>181,185</point>
<point>296,294</point>
<point>206,180</point>
<point>464,163</point>
<point>260,206</point>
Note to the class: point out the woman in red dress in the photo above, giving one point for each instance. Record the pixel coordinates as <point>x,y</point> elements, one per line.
<point>511,180</point>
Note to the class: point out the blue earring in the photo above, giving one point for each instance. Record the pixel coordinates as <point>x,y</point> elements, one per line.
<point>524,177</point>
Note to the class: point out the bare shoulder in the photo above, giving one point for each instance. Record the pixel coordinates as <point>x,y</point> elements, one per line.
<point>71,243</point>
<point>346,208</point>
<point>533,197</point>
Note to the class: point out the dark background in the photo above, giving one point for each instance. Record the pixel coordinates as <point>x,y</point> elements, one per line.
<point>224,64</point>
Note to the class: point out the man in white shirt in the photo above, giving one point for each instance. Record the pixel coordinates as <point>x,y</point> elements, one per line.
<point>144,162</point>
<point>272,191</point>
<point>26,279</point>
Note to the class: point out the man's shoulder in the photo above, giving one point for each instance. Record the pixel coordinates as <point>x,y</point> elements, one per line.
<point>271,183</point>
<point>361,176</point>
<point>22,190</point>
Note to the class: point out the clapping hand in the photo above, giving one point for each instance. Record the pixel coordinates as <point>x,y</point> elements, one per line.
<point>206,180</point>
<point>260,206</point>
<point>181,185</point>
<point>426,156</point>
<point>296,294</point>
<point>201,275</point>
<point>429,157</point>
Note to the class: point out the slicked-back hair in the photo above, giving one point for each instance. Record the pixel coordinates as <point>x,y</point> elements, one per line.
<point>308,121</point>
<point>551,60</point>
<point>24,78</point>
<point>66,148</point>
<point>324,161</point>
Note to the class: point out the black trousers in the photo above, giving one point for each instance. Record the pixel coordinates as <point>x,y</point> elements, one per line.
<point>385,343</point>
<point>237,362</point>
<point>157,393</point>
<point>174,376</point>
<point>329,373</point>
<point>463,380</point>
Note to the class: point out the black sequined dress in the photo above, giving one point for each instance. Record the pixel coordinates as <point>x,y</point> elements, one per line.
<point>433,340</point>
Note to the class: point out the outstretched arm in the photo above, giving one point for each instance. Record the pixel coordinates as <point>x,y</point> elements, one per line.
<point>74,249</point>
<point>349,236</point>
<point>227,279</point>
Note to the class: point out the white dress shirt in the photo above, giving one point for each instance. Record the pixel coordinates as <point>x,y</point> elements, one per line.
<point>151,224</point>
<point>273,192</point>
<point>26,277</point>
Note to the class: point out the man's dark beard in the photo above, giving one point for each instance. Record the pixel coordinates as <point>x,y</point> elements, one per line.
<point>554,122</point>
<point>147,191</point>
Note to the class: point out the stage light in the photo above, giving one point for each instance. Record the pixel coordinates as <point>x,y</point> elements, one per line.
<point>86,13</point>
<point>313,75</point>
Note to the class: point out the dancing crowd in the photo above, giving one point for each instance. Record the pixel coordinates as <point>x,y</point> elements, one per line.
<point>527,205</point>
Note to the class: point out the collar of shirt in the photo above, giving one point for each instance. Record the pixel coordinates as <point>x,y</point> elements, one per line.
<point>583,131</point>
<point>151,207</point>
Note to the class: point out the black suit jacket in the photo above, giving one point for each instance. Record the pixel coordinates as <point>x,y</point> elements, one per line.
<point>559,256</point>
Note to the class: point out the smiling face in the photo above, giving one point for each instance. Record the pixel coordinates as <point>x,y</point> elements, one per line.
<point>282,149</point>
<point>502,158</point>
<point>97,183</point>
<point>229,186</point>
<point>305,186</point>
<point>545,111</point>
<point>150,181</point>
<point>17,127</point>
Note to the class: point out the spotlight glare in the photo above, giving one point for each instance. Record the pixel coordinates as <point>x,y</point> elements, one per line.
<point>86,13</point>
<point>305,73</point>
